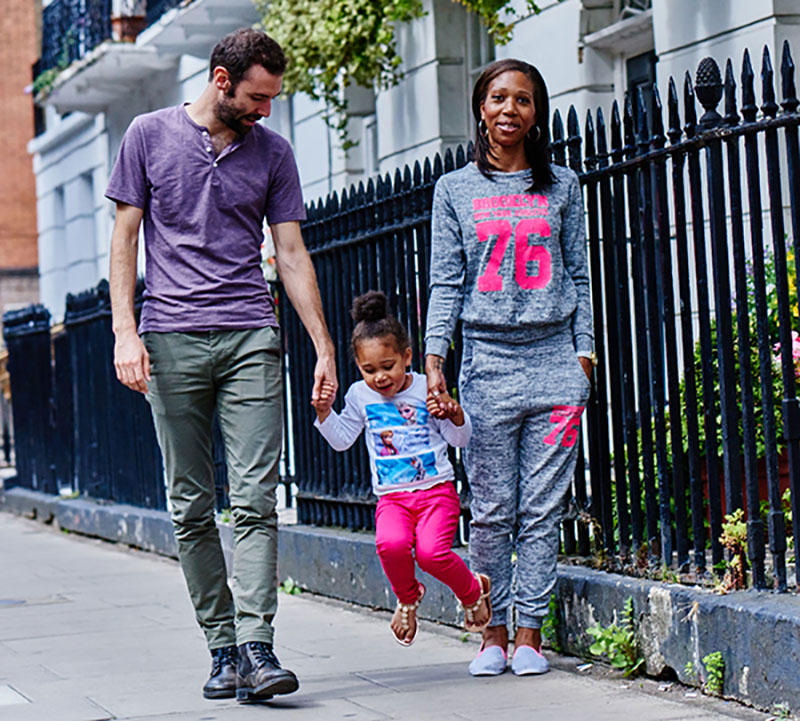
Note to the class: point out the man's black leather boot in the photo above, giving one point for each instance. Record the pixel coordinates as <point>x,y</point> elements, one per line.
<point>222,681</point>
<point>259,675</point>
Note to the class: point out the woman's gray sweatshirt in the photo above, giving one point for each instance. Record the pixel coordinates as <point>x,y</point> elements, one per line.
<point>511,264</point>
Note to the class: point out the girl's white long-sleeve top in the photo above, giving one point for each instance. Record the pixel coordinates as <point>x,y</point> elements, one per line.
<point>407,446</point>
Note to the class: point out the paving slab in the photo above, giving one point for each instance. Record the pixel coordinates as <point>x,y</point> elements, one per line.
<point>91,630</point>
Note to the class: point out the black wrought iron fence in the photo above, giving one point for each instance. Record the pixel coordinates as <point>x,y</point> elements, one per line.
<point>693,233</point>
<point>694,249</point>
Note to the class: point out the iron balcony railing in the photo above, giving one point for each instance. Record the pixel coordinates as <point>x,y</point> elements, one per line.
<point>71,29</point>
<point>156,8</point>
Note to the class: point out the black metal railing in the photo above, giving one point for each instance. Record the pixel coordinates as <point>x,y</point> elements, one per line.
<point>156,8</point>
<point>693,295</point>
<point>71,29</point>
<point>693,235</point>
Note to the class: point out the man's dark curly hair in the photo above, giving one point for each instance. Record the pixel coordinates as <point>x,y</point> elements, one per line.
<point>238,51</point>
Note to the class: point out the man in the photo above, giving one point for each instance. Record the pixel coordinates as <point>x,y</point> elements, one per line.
<point>202,177</point>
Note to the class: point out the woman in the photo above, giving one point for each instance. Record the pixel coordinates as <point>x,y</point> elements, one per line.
<point>509,259</point>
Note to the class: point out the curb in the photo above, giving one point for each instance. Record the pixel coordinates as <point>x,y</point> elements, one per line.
<point>757,633</point>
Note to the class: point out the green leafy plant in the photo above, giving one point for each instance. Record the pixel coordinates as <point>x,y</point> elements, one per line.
<point>552,624</point>
<point>290,587</point>
<point>45,80</point>
<point>618,643</point>
<point>781,711</point>
<point>691,671</point>
<point>734,538</point>
<point>499,16</point>
<point>715,673</point>
<point>332,45</point>
<point>772,325</point>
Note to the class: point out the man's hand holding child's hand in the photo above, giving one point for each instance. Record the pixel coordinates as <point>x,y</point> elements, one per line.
<point>322,405</point>
<point>441,405</point>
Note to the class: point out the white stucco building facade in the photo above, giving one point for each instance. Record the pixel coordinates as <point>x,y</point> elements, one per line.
<point>590,52</point>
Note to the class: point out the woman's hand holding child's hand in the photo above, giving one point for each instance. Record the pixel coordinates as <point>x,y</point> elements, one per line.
<point>441,405</point>
<point>323,404</point>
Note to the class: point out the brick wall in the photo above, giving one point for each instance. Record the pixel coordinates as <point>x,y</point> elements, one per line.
<point>18,51</point>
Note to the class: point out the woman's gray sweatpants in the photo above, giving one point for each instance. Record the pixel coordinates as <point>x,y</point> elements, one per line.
<point>525,401</point>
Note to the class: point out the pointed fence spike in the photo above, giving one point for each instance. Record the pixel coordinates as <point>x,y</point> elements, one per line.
<point>406,178</point>
<point>641,122</point>
<point>437,166</point>
<point>731,116</point>
<point>790,101</point>
<point>449,160</point>
<point>602,142</point>
<point>558,144</point>
<point>658,139</point>
<point>417,173</point>
<point>470,151</point>
<point>627,121</point>
<point>689,110</point>
<point>589,151</point>
<point>768,105</point>
<point>461,157</point>
<point>674,131</point>
<point>574,139</point>
<point>427,171</point>
<point>572,121</point>
<point>616,133</point>
<point>347,214</point>
<point>749,108</point>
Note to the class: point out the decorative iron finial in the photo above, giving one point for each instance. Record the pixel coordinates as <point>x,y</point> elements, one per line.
<point>591,156</point>
<point>790,101</point>
<point>674,131</point>
<point>616,133</point>
<point>708,88</point>
<point>688,106</point>
<point>749,108</point>
<point>731,116</point>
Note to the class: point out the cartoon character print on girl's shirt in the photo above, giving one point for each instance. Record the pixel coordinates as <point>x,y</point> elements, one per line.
<point>401,438</point>
<point>498,218</point>
<point>405,470</point>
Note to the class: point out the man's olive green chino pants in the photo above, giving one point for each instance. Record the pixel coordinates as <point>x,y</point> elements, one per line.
<point>238,373</point>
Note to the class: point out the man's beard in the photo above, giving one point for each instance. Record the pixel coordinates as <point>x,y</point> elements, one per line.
<point>231,115</point>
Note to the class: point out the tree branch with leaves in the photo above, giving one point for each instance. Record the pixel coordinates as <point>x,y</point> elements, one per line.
<point>333,44</point>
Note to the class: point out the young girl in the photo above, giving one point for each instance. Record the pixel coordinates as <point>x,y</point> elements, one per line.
<point>418,506</point>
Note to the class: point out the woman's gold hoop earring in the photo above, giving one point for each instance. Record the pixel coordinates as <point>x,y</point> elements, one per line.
<point>538,134</point>
<point>482,129</point>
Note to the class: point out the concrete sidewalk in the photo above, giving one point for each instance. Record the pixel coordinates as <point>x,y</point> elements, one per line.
<point>91,630</point>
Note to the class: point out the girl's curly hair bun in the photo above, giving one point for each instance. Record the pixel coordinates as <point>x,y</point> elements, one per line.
<point>370,307</point>
<point>373,320</point>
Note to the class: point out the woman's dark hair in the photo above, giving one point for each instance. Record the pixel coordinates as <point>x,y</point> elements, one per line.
<point>537,148</point>
<point>370,312</point>
<point>238,51</point>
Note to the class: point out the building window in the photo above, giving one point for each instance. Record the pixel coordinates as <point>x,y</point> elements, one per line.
<point>479,53</point>
<point>370,146</point>
<point>640,71</point>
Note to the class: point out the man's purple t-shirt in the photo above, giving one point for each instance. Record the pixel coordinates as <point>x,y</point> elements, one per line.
<point>203,219</point>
